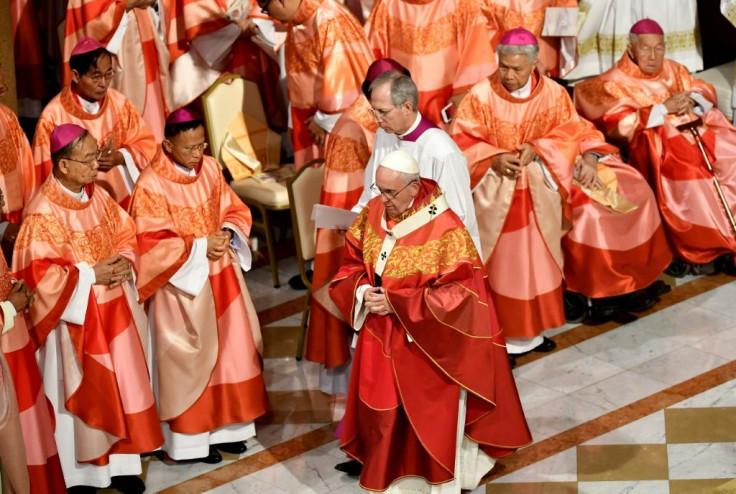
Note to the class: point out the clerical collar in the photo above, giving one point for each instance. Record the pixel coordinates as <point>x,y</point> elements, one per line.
<point>189,172</point>
<point>80,196</point>
<point>524,91</point>
<point>413,126</point>
<point>91,107</point>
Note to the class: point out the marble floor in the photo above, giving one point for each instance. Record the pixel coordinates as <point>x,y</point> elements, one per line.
<point>644,404</point>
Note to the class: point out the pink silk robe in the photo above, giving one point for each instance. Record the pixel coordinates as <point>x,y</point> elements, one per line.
<point>521,221</point>
<point>620,101</point>
<point>17,174</point>
<point>327,56</point>
<point>209,374</point>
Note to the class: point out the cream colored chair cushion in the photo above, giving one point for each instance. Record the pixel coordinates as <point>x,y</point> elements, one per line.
<point>273,194</point>
<point>722,78</point>
<point>306,188</point>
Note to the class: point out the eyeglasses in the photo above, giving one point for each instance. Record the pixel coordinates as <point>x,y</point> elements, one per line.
<point>191,149</point>
<point>87,163</point>
<point>98,77</point>
<point>387,193</point>
<point>381,114</point>
<point>647,50</point>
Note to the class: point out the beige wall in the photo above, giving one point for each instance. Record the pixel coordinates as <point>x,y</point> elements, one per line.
<point>6,55</point>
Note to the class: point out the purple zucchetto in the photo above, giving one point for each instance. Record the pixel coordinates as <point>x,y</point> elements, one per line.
<point>518,36</point>
<point>63,135</point>
<point>646,26</point>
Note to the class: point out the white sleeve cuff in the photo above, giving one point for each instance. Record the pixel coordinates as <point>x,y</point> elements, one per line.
<point>8,315</point>
<point>241,248</point>
<point>193,274</point>
<point>360,312</point>
<point>702,105</point>
<point>113,46</point>
<point>76,309</point>
<point>131,172</point>
<point>326,121</point>
<point>656,116</point>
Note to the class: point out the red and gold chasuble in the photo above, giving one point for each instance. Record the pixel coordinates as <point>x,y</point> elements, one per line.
<point>620,101</point>
<point>443,44</point>
<point>349,148</point>
<point>17,176</point>
<point>118,120</point>
<point>142,58</point>
<point>409,367</point>
<point>327,57</point>
<point>27,420</point>
<point>521,221</point>
<point>209,373</point>
<point>609,250</point>
<point>105,379</point>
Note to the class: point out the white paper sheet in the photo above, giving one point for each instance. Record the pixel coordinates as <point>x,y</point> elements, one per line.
<point>333,218</point>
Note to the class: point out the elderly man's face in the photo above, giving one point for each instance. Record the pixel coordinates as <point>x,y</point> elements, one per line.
<point>396,192</point>
<point>392,119</point>
<point>80,168</point>
<point>514,70</point>
<point>648,52</point>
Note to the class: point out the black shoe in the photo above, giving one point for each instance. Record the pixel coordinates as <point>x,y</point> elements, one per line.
<point>638,301</point>
<point>603,309</point>
<point>128,484</point>
<point>677,268</point>
<point>512,361</point>
<point>296,282</point>
<point>82,489</point>
<point>547,345</point>
<point>658,288</point>
<point>212,458</point>
<point>725,264</point>
<point>350,467</point>
<point>576,307</point>
<point>235,448</point>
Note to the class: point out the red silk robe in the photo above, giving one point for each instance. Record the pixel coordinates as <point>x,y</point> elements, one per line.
<point>106,384</point>
<point>117,119</point>
<point>17,175</point>
<point>620,101</point>
<point>209,374</point>
<point>327,56</point>
<point>409,391</point>
<point>607,252</point>
<point>349,147</point>
<point>443,44</point>
<point>31,86</point>
<point>521,221</point>
<point>27,447</point>
<point>142,59</point>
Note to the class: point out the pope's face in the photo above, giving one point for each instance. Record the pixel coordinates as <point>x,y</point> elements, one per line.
<point>396,192</point>
<point>648,52</point>
<point>514,70</point>
<point>187,147</point>
<point>93,85</point>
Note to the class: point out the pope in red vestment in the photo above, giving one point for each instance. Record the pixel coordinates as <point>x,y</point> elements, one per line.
<point>647,103</point>
<point>431,400</point>
<point>77,248</point>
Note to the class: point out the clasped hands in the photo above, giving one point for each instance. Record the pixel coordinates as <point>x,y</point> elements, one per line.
<point>21,296</point>
<point>375,301</point>
<point>510,164</point>
<point>112,271</point>
<point>679,103</point>
<point>218,244</point>
<point>316,132</point>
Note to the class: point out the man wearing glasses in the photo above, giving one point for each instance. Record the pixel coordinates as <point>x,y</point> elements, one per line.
<point>193,233</point>
<point>125,144</point>
<point>394,102</point>
<point>77,249</point>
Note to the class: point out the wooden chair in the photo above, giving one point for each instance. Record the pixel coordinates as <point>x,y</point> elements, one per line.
<point>222,102</point>
<point>304,191</point>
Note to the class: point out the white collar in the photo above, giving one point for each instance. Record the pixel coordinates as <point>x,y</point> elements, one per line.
<point>189,172</point>
<point>79,196</point>
<point>91,107</point>
<point>413,126</point>
<point>524,91</point>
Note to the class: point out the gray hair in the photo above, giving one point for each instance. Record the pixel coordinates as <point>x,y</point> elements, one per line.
<point>402,88</point>
<point>410,177</point>
<point>530,51</point>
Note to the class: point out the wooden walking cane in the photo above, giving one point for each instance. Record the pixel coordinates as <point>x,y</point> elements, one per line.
<point>693,128</point>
